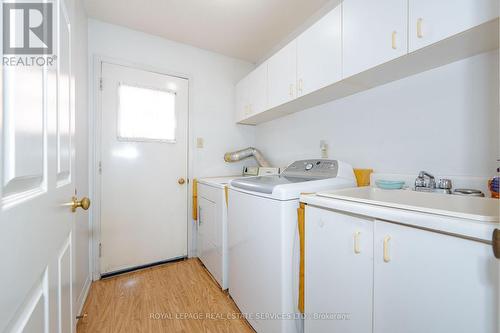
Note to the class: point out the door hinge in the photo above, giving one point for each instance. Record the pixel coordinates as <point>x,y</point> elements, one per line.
<point>100,250</point>
<point>100,83</point>
<point>99,168</point>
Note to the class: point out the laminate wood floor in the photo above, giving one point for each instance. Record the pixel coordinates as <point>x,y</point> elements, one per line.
<point>175,297</point>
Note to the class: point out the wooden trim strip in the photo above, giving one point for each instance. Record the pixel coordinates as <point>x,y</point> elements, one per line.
<point>195,199</point>
<point>226,193</point>
<point>301,217</point>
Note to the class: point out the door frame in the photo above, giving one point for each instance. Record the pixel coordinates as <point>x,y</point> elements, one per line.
<point>95,149</point>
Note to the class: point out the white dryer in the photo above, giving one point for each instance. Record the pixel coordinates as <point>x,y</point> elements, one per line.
<point>264,243</point>
<point>212,226</point>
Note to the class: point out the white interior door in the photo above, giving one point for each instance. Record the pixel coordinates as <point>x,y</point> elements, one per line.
<point>143,166</point>
<point>36,181</point>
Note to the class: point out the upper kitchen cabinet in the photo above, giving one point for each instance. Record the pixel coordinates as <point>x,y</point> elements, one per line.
<point>242,99</point>
<point>374,32</point>
<point>251,93</point>
<point>282,75</point>
<point>258,89</point>
<point>319,54</point>
<point>431,21</point>
<point>362,44</point>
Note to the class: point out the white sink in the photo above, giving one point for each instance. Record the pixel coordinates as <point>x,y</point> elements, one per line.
<point>481,209</point>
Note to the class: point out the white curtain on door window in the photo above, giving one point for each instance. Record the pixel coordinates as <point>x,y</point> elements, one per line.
<point>146,114</point>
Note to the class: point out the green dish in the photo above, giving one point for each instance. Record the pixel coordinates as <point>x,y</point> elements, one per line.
<point>390,184</point>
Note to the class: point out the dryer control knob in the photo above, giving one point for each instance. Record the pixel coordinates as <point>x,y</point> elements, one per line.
<point>309,166</point>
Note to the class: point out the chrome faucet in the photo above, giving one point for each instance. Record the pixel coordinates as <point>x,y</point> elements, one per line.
<point>425,182</point>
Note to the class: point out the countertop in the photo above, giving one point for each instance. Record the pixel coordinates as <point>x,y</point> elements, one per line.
<point>464,216</point>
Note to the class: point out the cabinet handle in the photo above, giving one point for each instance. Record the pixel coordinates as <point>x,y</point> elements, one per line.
<point>419,28</point>
<point>394,46</point>
<point>387,258</point>
<point>496,243</point>
<point>357,250</point>
<point>301,83</point>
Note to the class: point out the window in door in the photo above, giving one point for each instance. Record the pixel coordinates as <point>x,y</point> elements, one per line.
<point>146,114</point>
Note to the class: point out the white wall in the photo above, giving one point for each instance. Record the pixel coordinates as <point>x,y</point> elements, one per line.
<point>82,231</point>
<point>444,121</point>
<point>212,81</point>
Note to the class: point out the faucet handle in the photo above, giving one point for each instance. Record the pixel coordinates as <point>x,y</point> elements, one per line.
<point>419,182</point>
<point>445,184</point>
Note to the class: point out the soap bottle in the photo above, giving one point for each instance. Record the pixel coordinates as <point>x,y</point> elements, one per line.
<point>493,185</point>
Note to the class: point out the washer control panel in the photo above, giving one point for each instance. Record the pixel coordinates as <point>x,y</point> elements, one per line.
<point>317,169</point>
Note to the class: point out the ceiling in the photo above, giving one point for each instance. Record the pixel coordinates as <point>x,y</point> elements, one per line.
<point>244,29</point>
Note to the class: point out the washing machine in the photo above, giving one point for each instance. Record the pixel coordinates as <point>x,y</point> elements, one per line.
<point>264,244</point>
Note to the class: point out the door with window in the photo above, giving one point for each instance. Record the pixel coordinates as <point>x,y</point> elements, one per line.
<point>142,168</point>
<point>37,183</point>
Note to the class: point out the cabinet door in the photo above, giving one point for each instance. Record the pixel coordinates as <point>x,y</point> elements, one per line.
<point>257,90</point>
<point>338,272</point>
<point>433,283</point>
<point>242,99</point>
<point>282,78</point>
<point>431,21</point>
<point>319,53</point>
<point>374,32</point>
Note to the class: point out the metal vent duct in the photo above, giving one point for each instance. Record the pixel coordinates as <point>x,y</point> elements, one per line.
<point>246,153</point>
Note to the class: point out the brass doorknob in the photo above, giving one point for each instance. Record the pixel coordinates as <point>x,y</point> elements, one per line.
<point>84,203</point>
<point>181,181</point>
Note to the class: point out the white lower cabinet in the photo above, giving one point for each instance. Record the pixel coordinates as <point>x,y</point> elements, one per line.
<point>391,278</point>
<point>339,272</point>
<point>431,282</point>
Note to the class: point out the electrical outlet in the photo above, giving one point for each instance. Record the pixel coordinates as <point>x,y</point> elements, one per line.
<point>199,143</point>
<point>323,145</point>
